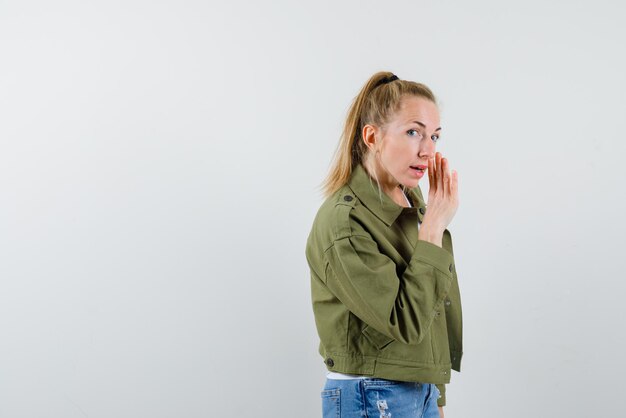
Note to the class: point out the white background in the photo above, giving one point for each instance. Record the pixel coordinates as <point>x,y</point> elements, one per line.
<point>159,173</point>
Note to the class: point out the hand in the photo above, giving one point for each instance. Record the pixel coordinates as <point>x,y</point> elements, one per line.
<point>441,412</point>
<point>443,197</point>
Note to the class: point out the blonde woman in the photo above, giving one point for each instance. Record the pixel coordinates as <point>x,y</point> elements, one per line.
<point>383,279</point>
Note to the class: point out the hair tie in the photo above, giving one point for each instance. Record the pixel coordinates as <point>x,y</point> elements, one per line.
<point>386,80</point>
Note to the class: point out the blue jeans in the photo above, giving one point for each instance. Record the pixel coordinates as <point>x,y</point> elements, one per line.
<point>378,398</point>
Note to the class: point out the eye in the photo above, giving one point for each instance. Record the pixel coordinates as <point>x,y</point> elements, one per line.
<point>415,131</point>
<point>435,138</point>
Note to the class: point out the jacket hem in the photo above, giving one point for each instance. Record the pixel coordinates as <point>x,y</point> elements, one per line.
<point>390,369</point>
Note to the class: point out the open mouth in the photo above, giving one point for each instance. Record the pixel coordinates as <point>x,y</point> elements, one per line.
<point>419,169</point>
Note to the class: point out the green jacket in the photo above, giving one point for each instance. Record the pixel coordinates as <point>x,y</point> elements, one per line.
<point>386,304</point>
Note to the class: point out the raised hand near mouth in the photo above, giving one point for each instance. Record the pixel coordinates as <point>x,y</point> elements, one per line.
<point>443,200</point>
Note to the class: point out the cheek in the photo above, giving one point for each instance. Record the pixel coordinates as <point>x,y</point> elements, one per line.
<point>404,153</point>
<point>400,152</point>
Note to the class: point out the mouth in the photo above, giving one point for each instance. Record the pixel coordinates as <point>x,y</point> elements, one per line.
<point>419,168</point>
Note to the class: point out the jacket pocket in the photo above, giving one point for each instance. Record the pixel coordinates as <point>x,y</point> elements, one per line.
<point>439,339</point>
<point>377,339</point>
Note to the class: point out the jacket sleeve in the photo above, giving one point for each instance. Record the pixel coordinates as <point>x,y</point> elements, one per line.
<point>442,395</point>
<point>366,281</point>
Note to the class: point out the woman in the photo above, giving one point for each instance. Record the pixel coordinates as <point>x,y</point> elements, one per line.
<point>383,283</point>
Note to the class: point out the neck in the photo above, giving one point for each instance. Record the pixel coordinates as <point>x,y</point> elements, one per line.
<point>385,181</point>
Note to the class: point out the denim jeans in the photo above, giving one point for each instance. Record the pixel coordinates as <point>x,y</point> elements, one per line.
<point>378,398</point>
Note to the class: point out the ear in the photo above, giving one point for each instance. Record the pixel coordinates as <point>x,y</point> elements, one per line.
<point>369,136</point>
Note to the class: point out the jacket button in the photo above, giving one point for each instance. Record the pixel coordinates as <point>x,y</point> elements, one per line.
<point>330,361</point>
<point>347,198</point>
<point>448,303</point>
<point>450,267</point>
<point>422,211</point>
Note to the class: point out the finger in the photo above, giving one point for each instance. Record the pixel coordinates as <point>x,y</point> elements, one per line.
<point>454,183</point>
<point>445,167</point>
<point>431,174</point>
<point>438,171</point>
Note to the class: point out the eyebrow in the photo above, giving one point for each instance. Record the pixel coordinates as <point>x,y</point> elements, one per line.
<point>424,126</point>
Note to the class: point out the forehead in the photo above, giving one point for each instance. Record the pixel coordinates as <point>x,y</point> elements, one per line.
<point>414,108</point>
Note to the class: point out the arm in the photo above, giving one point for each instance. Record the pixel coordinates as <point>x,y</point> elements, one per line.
<point>366,281</point>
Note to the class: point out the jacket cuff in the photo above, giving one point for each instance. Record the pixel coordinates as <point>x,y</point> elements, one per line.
<point>434,255</point>
<point>441,401</point>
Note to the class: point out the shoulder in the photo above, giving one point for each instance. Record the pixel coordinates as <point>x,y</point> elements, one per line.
<point>334,213</point>
<point>335,218</point>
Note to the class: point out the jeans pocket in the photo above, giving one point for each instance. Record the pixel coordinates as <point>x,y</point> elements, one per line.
<point>331,403</point>
<point>434,392</point>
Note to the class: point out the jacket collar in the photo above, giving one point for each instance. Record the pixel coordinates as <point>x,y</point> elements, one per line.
<point>367,191</point>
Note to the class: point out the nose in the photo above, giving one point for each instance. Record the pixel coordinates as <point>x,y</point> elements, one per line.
<point>427,149</point>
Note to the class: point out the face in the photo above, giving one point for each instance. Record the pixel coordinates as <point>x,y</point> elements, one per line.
<point>408,141</point>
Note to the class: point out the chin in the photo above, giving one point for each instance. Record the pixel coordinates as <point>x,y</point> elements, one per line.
<point>411,184</point>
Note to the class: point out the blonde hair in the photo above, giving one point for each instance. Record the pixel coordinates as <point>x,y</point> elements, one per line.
<point>375,104</point>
